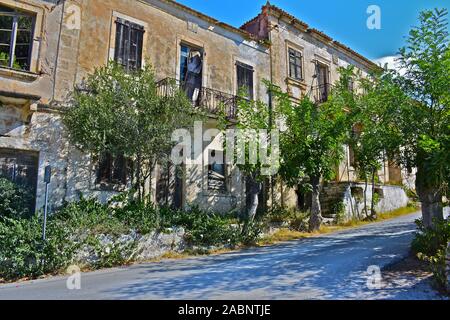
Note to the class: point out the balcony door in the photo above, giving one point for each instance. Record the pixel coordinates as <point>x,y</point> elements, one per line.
<point>323,81</point>
<point>191,70</point>
<point>245,79</point>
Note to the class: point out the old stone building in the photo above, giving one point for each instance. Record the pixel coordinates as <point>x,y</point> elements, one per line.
<point>48,46</point>
<point>69,40</point>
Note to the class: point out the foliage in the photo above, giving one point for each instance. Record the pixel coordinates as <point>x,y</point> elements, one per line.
<point>15,201</point>
<point>430,244</point>
<point>4,61</point>
<point>296,220</point>
<point>338,209</point>
<point>311,144</point>
<point>121,113</point>
<point>23,253</point>
<point>424,120</point>
<point>253,117</point>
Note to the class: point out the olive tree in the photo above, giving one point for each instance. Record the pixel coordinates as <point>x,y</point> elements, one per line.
<point>122,113</point>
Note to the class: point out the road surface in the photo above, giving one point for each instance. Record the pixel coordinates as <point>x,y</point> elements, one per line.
<point>333,266</point>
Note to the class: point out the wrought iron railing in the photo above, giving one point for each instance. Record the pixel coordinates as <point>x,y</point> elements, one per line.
<point>209,100</point>
<point>321,92</point>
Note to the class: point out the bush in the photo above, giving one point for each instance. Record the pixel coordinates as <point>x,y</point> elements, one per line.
<point>140,216</point>
<point>95,227</point>
<point>431,245</point>
<point>202,228</point>
<point>15,201</point>
<point>90,216</point>
<point>299,222</point>
<point>23,253</point>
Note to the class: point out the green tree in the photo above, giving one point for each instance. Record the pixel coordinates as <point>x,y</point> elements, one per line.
<point>123,114</point>
<point>375,136</point>
<point>252,117</point>
<point>311,144</point>
<point>425,118</point>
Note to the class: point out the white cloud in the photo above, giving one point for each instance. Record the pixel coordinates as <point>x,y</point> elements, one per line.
<point>391,62</point>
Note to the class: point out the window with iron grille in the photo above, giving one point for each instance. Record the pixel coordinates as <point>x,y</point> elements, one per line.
<point>217,171</point>
<point>129,41</point>
<point>295,64</point>
<point>245,79</point>
<point>16,38</point>
<point>112,169</point>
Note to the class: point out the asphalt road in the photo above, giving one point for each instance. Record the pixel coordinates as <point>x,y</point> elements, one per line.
<point>332,266</point>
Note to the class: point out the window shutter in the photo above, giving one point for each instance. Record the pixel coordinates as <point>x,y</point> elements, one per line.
<point>129,42</point>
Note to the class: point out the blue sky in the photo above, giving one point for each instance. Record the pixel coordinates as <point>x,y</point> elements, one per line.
<point>344,20</point>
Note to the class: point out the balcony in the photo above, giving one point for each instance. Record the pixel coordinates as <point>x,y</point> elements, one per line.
<point>321,92</point>
<point>209,100</point>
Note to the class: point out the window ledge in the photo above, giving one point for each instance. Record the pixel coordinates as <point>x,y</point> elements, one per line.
<point>18,74</point>
<point>110,187</point>
<point>297,82</point>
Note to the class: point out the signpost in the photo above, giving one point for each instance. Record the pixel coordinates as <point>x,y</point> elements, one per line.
<point>47,178</point>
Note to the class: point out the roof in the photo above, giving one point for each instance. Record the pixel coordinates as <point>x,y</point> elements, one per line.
<point>268,8</point>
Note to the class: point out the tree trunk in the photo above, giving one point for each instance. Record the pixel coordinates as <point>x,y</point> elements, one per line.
<point>366,183</point>
<point>373,213</point>
<point>315,220</point>
<point>431,199</point>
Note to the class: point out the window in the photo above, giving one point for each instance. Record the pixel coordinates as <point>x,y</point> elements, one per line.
<point>245,79</point>
<point>323,88</point>
<point>191,70</point>
<point>217,171</point>
<point>295,64</point>
<point>129,41</point>
<point>21,167</point>
<point>16,38</point>
<point>112,169</point>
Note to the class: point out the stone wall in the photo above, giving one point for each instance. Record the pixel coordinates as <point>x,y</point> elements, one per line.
<point>352,196</point>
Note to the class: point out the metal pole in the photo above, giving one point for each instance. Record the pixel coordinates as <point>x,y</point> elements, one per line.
<point>45,213</point>
<point>47,179</point>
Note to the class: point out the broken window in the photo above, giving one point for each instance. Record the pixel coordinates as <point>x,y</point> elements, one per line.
<point>112,169</point>
<point>245,79</point>
<point>217,171</point>
<point>16,38</point>
<point>295,64</point>
<point>129,41</point>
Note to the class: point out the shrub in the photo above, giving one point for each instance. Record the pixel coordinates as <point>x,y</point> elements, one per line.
<point>202,228</point>
<point>23,253</point>
<point>15,201</point>
<point>138,215</point>
<point>299,222</point>
<point>90,216</point>
<point>431,245</point>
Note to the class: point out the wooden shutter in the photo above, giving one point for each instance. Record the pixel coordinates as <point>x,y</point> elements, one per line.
<point>129,42</point>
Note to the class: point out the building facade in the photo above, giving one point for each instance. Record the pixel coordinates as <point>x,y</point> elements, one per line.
<point>47,47</point>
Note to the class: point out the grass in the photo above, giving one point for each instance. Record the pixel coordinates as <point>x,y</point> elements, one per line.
<point>285,234</point>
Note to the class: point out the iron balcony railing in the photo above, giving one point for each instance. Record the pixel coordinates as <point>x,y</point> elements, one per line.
<point>209,100</point>
<point>321,92</point>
